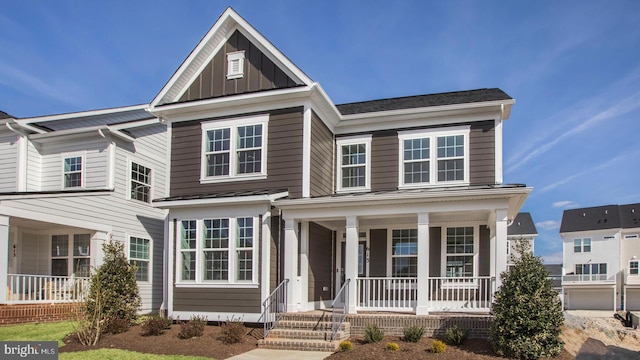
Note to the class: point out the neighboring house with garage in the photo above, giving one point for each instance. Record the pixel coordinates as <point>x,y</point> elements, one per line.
<point>68,183</point>
<point>601,247</point>
<point>398,203</point>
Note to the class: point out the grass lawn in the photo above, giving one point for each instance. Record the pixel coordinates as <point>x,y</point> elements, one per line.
<point>59,330</point>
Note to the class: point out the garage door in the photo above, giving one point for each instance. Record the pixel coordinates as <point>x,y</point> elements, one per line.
<point>633,299</point>
<point>590,300</point>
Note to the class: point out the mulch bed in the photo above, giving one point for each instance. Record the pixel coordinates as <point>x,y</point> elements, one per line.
<point>169,344</point>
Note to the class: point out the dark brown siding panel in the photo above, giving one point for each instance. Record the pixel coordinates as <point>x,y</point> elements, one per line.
<point>378,252</point>
<point>484,252</point>
<point>284,158</point>
<point>482,153</point>
<point>217,300</point>
<point>384,161</point>
<point>321,158</point>
<point>435,251</point>
<point>260,73</point>
<point>320,258</point>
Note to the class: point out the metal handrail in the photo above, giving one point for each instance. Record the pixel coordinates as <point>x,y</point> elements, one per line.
<point>274,307</point>
<point>337,318</point>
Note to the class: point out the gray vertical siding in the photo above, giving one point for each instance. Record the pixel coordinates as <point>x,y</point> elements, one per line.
<point>435,251</point>
<point>322,175</point>
<point>284,157</point>
<point>260,73</point>
<point>378,252</point>
<point>320,261</point>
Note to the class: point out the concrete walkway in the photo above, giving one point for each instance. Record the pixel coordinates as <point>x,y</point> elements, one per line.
<point>282,355</point>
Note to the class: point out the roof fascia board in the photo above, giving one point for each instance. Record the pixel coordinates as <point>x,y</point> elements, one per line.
<point>614,230</point>
<point>324,107</point>
<point>100,130</point>
<point>173,204</point>
<point>55,195</point>
<point>211,43</point>
<point>70,116</point>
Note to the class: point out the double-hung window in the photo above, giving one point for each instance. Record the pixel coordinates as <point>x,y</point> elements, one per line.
<point>460,252</point>
<point>71,255</point>
<point>72,171</point>
<point>582,245</point>
<point>139,255</point>
<point>218,250</point>
<point>234,149</point>
<point>354,163</point>
<point>434,157</point>
<point>404,253</point>
<point>140,182</point>
<point>633,267</point>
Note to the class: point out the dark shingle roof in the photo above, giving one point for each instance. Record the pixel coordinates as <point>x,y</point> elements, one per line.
<point>593,218</point>
<point>630,216</point>
<point>553,269</point>
<point>4,115</point>
<point>522,225</point>
<point>418,101</point>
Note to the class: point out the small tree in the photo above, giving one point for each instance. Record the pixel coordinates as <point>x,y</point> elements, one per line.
<point>114,291</point>
<point>527,311</point>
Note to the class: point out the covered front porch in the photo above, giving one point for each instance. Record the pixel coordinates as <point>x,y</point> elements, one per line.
<point>409,251</point>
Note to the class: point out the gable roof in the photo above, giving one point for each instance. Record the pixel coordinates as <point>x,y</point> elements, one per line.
<point>592,218</point>
<point>630,216</point>
<point>229,22</point>
<point>4,115</point>
<point>421,101</point>
<point>522,225</point>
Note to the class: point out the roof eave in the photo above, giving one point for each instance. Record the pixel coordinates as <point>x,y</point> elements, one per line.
<point>244,200</point>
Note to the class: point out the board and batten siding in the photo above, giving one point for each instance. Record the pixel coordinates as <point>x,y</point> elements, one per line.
<point>260,73</point>
<point>320,263</point>
<point>322,176</point>
<point>8,162</point>
<point>284,157</point>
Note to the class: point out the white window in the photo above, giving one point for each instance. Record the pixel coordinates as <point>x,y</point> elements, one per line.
<point>235,65</point>
<point>140,182</point>
<point>219,250</point>
<point>234,149</point>
<point>434,157</point>
<point>461,247</point>
<point>582,245</point>
<point>140,256</point>
<point>404,253</point>
<point>354,163</point>
<point>72,171</point>
<point>592,271</point>
<point>633,267</point>
<point>76,261</point>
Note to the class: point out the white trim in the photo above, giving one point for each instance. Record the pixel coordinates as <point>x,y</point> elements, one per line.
<point>55,219</point>
<point>57,194</point>
<point>128,237</point>
<point>390,255</point>
<point>433,135</point>
<point>476,248</point>
<point>21,171</point>
<point>353,140</point>
<point>111,165</point>
<point>498,150</point>
<point>83,167</point>
<point>231,58</point>
<point>220,201</point>
<point>233,125</point>
<point>306,152</point>
<point>265,262</point>
<point>39,119</point>
<point>130,163</point>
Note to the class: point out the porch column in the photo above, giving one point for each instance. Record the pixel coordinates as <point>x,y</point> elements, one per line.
<point>422,307</point>
<point>501,245</point>
<point>97,255</point>
<point>351,262</point>
<point>291,264</point>
<point>4,257</point>
<point>304,266</point>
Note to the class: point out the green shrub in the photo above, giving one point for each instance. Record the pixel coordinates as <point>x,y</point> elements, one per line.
<point>345,345</point>
<point>455,335</point>
<point>155,325</point>
<point>192,328</point>
<point>438,347</point>
<point>527,311</point>
<point>413,333</point>
<point>373,334</point>
<point>117,325</point>
<point>393,346</point>
<point>232,331</point>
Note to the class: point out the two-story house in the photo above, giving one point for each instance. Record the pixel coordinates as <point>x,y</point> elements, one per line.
<point>397,203</point>
<point>520,230</point>
<point>69,182</point>
<point>601,248</point>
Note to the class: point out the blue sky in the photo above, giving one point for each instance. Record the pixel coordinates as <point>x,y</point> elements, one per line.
<point>572,66</point>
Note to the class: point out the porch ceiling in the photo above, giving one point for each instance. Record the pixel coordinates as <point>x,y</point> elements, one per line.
<point>31,224</point>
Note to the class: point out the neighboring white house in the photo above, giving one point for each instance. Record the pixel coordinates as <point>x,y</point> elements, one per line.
<point>521,228</point>
<point>68,183</point>
<point>601,247</point>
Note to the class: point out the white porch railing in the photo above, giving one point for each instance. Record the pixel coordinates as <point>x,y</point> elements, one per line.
<point>444,293</point>
<point>592,278</point>
<point>23,288</point>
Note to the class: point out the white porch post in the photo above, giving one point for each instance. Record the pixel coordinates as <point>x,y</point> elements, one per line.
<point>291,264</point>
<point>97,255</point>
<point>304,266</point>
<point>501,245</point>
<point>422,307</point>
<point>351,262</point>
<point>265,261</point>
<point>4,257</point>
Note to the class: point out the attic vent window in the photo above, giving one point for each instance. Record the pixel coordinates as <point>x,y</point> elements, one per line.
<point>235,65</point>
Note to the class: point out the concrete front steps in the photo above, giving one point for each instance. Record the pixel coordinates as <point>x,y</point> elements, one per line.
<point>308,332</point>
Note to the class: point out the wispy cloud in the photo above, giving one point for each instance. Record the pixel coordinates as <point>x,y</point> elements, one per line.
<point>565,204</point>
<point>548,225</point>
<point>554,258</point>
